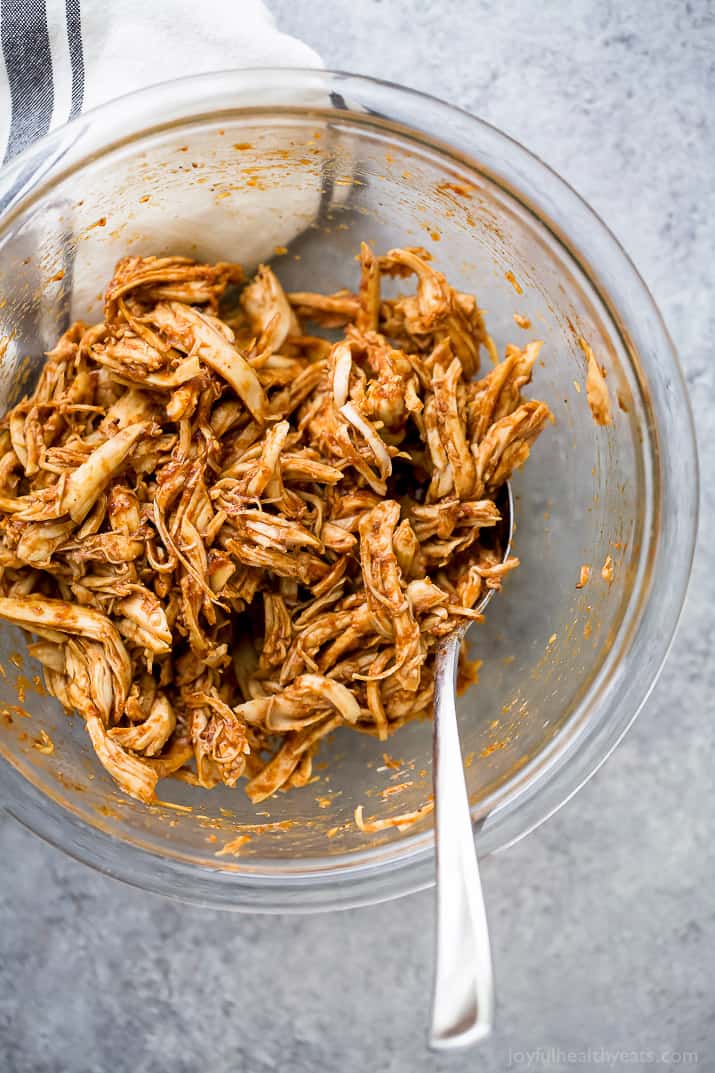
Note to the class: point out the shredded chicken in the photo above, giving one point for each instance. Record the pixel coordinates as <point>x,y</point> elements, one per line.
<point>597,395</point>
<point>229,537</point>
<point>401,822</point>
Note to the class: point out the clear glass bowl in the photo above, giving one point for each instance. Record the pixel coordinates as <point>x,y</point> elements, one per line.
<point>300,166</point>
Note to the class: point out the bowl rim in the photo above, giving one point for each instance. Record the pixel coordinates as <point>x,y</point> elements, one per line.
<point>358,880</point>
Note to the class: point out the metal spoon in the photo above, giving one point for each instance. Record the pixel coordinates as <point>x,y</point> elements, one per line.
<point>463,992</point>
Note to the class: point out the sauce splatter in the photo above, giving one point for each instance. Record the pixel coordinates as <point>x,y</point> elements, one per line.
<point>514,281</point>
<point>234,847</point>
<point>493,748</point>
<point>457,188</point>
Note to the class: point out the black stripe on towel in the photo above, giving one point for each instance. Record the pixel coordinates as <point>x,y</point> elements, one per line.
<point>28,61</point>
<point>74,38</point>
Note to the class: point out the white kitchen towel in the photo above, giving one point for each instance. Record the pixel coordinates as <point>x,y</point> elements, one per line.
<point>60,57</point>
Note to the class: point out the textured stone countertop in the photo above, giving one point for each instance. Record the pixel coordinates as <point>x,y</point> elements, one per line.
<point>603,920</point>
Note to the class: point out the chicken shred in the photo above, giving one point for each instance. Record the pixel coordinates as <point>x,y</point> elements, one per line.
<point>229,537</point>
<point>597,395</point>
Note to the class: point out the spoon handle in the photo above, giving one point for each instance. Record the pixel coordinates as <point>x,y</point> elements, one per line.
<point>463,995</point>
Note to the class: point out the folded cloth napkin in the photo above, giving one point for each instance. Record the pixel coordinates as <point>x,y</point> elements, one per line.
<point>62,57</point>
<point>59,59</point>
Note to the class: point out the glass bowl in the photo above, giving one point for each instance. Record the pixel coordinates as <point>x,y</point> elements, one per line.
<point>299,166</point>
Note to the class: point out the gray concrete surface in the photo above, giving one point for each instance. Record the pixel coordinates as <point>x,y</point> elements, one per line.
<point>603,921</point>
